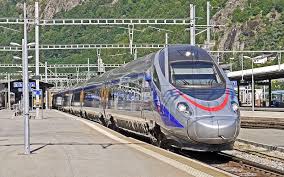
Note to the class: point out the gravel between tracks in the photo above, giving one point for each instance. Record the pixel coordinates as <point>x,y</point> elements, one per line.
<point>277,163</point>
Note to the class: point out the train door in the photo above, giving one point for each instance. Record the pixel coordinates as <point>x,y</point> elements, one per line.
<point>104,94</point>
<point>147,106</point>
<point>82,98</point>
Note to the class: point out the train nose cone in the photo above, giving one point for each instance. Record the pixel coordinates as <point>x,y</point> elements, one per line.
<point>214,131</point>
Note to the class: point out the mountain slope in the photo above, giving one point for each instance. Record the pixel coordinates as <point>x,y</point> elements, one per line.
<point>250,24</point>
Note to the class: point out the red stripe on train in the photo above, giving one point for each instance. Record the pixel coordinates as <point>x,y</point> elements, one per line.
<point>212,109</point>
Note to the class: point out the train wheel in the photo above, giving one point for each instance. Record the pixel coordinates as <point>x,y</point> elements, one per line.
<point>112,124</point>
<point>86,115</point>
<point>157,136</point>
<point>102,120</point>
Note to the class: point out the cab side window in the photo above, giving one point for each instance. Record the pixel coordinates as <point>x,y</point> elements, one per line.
<point>156,79</point>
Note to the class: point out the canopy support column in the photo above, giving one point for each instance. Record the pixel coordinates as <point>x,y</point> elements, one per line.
<point>269,92</point>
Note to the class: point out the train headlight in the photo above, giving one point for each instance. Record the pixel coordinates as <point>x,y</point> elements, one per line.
<point>184,108</point>
<point>188,53</point>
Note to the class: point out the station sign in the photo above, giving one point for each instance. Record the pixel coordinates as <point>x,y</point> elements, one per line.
<point>20,89</point>
<point>37,92</point>
<point>20,84</point>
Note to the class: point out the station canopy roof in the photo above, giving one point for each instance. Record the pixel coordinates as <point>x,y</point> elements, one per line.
<point>262,73</point>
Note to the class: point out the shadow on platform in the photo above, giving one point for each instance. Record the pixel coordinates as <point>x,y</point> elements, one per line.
<point>42,145</point>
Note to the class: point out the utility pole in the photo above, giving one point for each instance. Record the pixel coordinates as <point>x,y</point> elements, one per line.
<point>241,47</point>
<point>9,91</point>
<point>101,68</point>
<point>208,24</point>
<point>135,53</point>
<point>131,37</point>
<point>252,84</point>
<point>279,60</point>
<point>46,92</point>
<point>166,39</point>
<point>88,77</point>
<point>192,24</point>
<point>77,73</point>
<point>26,85</point>
<point>37,56</point>
<point>55,72</point>
<point>242,59</point>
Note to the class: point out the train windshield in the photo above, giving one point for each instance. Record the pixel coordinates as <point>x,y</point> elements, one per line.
<point>201,74</point>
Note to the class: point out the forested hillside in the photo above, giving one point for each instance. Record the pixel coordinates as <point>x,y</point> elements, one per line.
<point>255,24</point>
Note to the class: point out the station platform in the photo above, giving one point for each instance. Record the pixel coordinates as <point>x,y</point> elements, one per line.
<point>269,109</point>
<point>64,145</point>
<point>262,120</point>
<point>262,114</point>
<point>271,137</point>
<point>263,127</point>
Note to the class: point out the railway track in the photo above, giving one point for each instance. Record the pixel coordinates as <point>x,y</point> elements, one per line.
<point>247,159</point>
<point>227,162</point>
<point>258,122</point>
<point>261,154</point>
<point>234,165</point>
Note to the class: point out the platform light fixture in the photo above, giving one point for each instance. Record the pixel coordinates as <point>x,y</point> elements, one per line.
<point>19,45</point>
<point>18,58</point>
<point>15,44</point>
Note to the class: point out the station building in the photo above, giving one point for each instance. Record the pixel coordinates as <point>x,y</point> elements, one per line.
<point>262,77</point>
<point>16,92</point>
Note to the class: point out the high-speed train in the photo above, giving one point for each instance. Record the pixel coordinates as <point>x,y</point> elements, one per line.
<point>178,97</point>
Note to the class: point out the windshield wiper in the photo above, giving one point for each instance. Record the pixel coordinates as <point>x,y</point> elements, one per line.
<point>185,82</point>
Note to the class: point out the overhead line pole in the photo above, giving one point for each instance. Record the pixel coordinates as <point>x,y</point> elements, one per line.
<point>37,56</point>
<point>252,85</point>
<point>135,51</point>
<point>9,91</point>
<point>208,24</point>
<point>26,85</point>
<point>88,77</point>
<point>46,81</point>
<point>192,24</point>
<point>131,37</point>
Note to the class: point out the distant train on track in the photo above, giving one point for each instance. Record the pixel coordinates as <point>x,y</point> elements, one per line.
<point>178,97</point>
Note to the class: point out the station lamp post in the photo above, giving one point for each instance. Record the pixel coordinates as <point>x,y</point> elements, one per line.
<point>242,57</point>
<point>252,81</point>
<point>25,84</point>
<point>25,92</point>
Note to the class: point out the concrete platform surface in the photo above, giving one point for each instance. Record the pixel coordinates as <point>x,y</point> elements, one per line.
<point>262,114</point>
<point>273,137</point>
<point>65,147</point>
